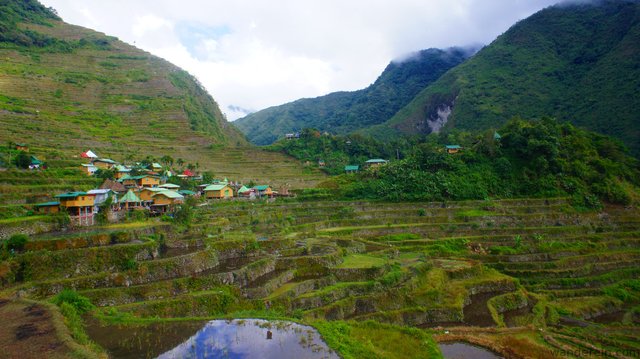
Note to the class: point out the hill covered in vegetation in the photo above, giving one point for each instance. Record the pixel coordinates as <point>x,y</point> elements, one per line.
<point>345,112</point>
<point>577,62</point>
<point>541,158</point>
<point>65,89</point>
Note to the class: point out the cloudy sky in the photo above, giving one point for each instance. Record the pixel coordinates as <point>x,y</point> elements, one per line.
<point>252,54</point>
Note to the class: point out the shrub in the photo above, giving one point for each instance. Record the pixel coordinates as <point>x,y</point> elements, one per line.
<point>80,303</point>
<point>17,242</point>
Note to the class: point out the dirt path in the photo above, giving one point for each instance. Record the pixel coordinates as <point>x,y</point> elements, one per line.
<point>27,331</point>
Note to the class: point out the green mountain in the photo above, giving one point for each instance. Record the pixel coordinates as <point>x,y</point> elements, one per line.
<point>344,112</point>
<point>66,89</point>
<point>578,62</point>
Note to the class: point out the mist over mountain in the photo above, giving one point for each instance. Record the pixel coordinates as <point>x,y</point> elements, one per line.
<point>576,61</point>
<point>344,112</point>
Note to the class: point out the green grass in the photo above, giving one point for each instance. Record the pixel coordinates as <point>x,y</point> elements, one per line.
<point>362,261</point>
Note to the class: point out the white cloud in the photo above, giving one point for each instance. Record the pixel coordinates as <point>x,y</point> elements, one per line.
<point>255,54</point>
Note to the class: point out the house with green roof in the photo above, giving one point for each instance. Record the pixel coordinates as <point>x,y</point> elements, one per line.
<point>453,148</point>
<point>47,207</point>
<point>129,200</point>
<point>375,162</point>
<point>104,163</point>
<point>218,191</point>
<point>79,205</point>
<point>166,201</point>
<point>351,169</point>
<point>263,190</point>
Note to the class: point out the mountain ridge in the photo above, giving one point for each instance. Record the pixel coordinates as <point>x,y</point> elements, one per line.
<point>343,112</point>
<point>555,63</point>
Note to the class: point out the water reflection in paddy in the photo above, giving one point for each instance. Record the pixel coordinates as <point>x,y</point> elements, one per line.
<point>460,350</point>
<point>252,338</point>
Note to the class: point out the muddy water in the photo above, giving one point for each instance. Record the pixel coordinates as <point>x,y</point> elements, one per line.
<point>461,350</point>
<point>477,313</point>
<point>140,341</point>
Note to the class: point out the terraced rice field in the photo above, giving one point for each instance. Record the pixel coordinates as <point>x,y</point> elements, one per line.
<point>526,278</point>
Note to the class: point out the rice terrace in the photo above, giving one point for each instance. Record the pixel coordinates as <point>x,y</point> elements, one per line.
<point>469,203</point>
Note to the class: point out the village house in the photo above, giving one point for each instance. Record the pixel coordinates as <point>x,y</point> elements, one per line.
<point>351,169</point>
<point>79,205</point>
<point>171,186</point>
<point>47,207</point>
<point>88,154</point>
<point>101,196</point>
<point>104,163</point>
<point>263,190</point>
<point>88,168</point>
<point>218,191</point>
<point>22,147</point>
<point>140,181</point>
<point>121,171</point>
<point>244,191</point>
<point>187,193</point>
<point>35,163</point>
<point>376,162</point>
<point>453,148</point>
<point>166,201</point>
<point>146,194</point>
<point>129,201</point>
<point>115,186</point>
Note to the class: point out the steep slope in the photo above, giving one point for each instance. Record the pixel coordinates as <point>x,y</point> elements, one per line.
<point>577,62</point>
<point>344,112</point>
<point>69,88</point>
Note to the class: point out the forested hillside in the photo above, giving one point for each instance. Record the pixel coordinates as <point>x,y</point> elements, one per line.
<point>345,112</point>
<point>578,62</point>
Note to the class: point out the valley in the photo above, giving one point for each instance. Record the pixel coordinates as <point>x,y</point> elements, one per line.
<point>522,277</point>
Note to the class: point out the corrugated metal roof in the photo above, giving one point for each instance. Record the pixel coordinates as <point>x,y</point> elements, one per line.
<point>48,204</point>
<point>169,194</point>
<point>215,187</point>
<point>169,185</point>
<point>71,195</point>
<point>129,197</point>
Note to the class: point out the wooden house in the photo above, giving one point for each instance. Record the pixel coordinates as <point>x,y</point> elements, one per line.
<point>166,201</point>
<point>79,205</point>
<point>115,186</point>
<point>171,186</point>
<point>22,147</point>
<point>351,169</point>
<point>35,163</point>
<point>264,190</point>
<point>104,163</point>
<point>375,162</point>
<point>244,191</point>
<point>88,169</point>
<point>453,148</point>
<point>146,194</point>
<point>218,191</point>
<point>129,200</point>
<point>101,196</point>
<point>47,207</point>
<point>88,154</point>
<point>121,171</point>
<point>140,181</point>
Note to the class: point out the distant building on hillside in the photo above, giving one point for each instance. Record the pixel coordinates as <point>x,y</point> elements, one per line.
<point>22,147</point>
<point>104,163</point>
<point>375,162</point>
<point>453,148</point>
<point>351,169</point>
<point>79,205</point>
